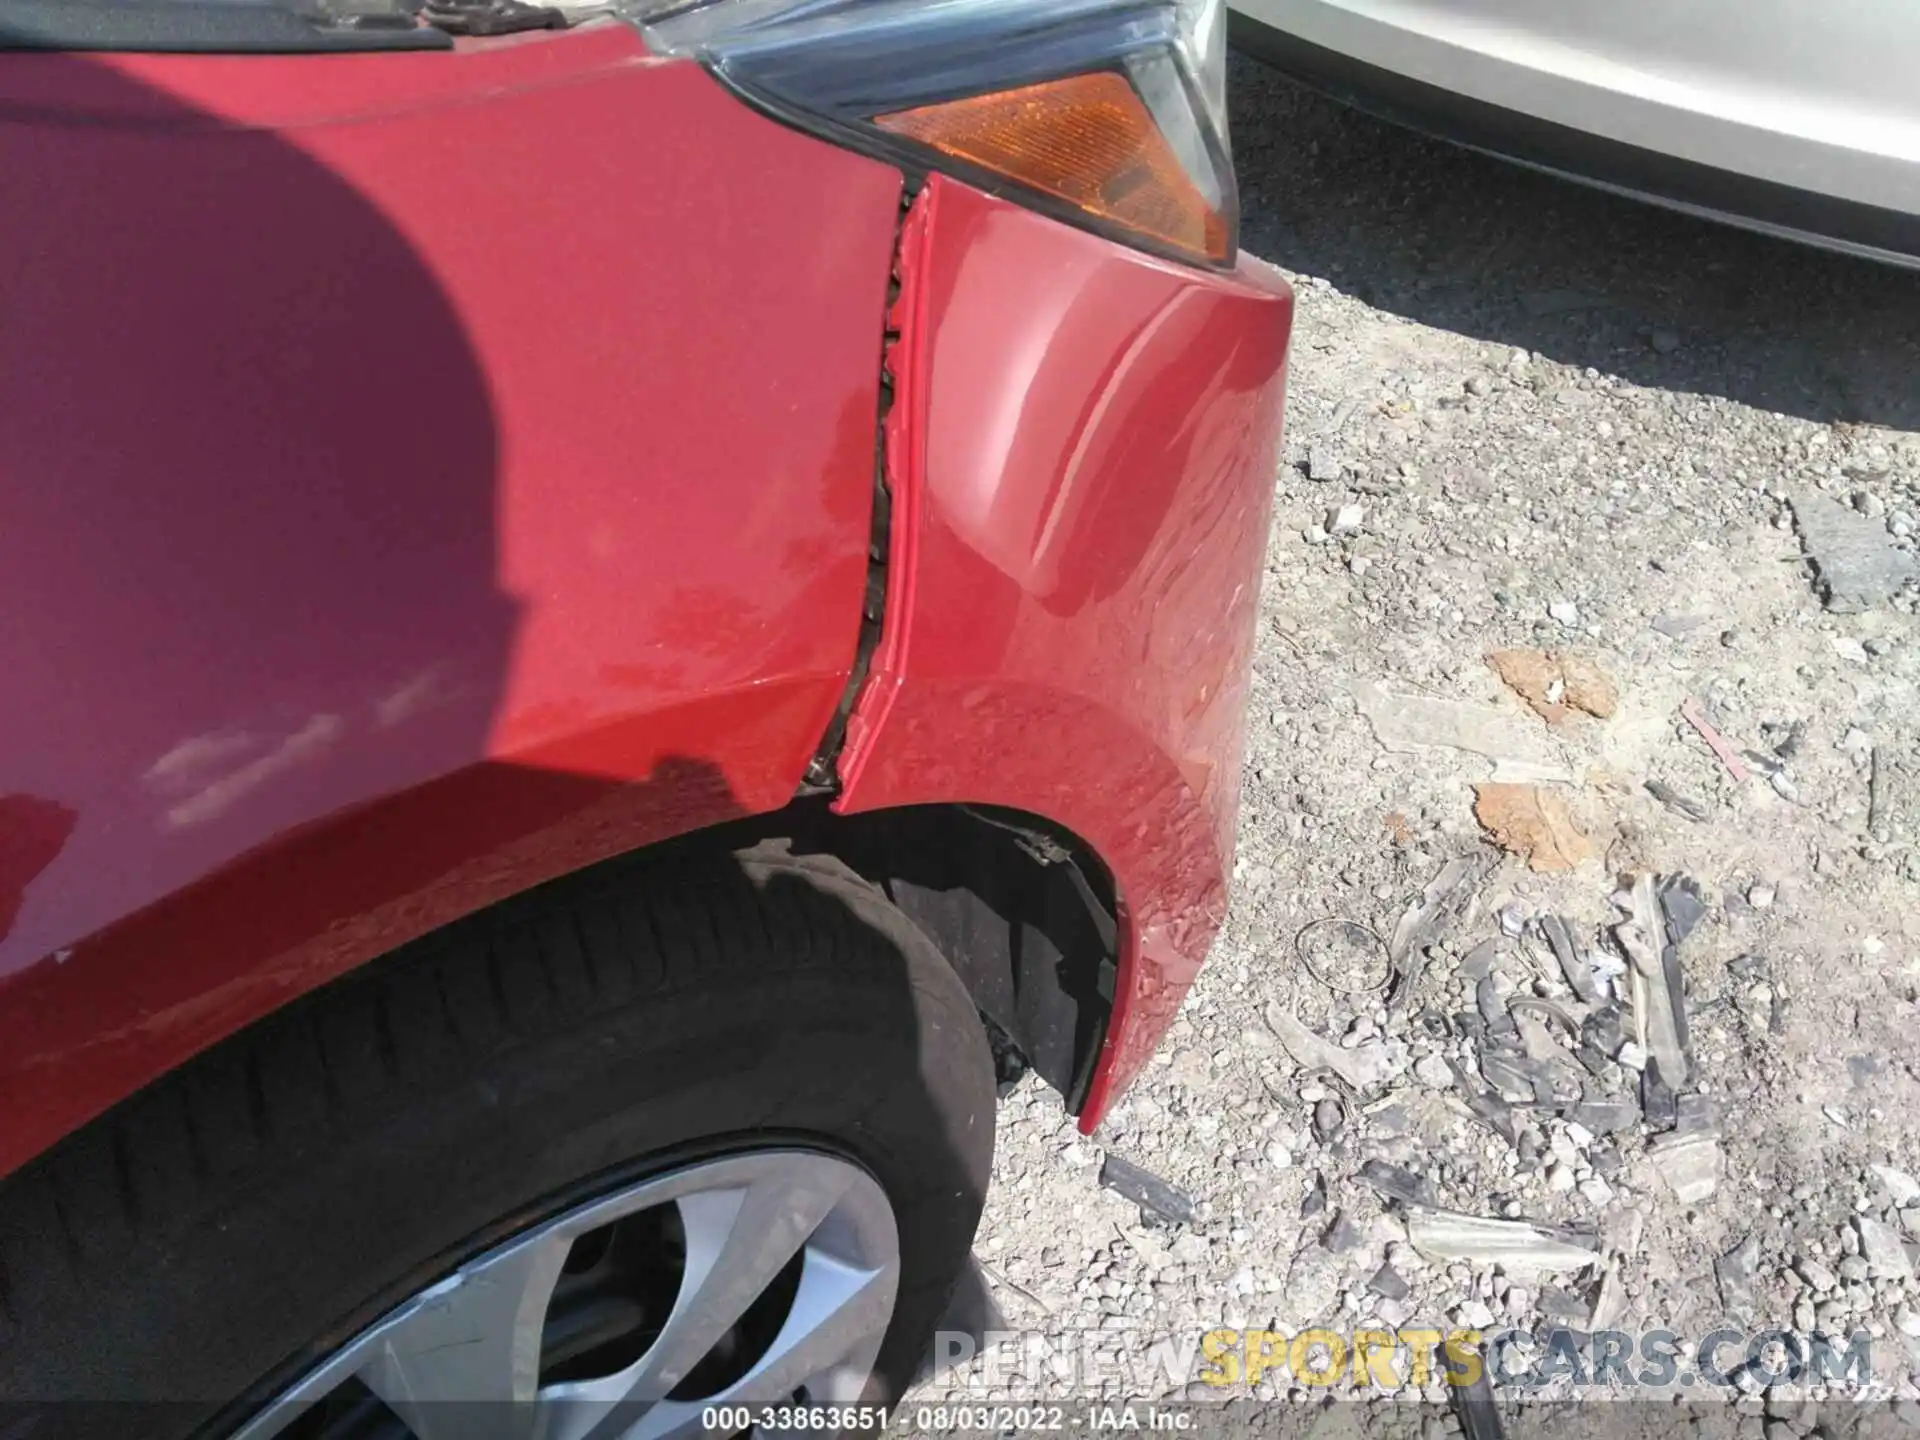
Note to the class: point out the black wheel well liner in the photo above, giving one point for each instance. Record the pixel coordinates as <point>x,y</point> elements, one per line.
<point>1023,910</point>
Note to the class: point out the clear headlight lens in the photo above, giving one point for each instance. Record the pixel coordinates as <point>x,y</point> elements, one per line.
<point>1107,113</point>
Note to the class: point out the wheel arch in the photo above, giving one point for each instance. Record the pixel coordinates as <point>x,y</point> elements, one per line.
<point>1023,911</point>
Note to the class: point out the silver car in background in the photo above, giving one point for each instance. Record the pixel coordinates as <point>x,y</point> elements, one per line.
<point>1795,117</point>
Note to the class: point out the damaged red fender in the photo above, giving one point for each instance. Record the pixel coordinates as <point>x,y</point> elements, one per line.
<point>1081,455</point>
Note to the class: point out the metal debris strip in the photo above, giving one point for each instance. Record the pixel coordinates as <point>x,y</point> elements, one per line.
<point>1352,929</point>
<point>1512,1244</point>
<point>1147,1190</point>
<point>1690,712</point>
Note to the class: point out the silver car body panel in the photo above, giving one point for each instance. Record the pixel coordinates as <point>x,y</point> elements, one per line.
<point>1819,95</point>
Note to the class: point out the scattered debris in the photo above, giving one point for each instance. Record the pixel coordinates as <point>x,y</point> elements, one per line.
<point>1574,965</point>
<point>1148,1191</point>
<point>1684,806</point>
<point>1389,1282</point>
<point>1362,1067</point>
<point>1473,1407</point>
<point>1340,955</point>
<point>1659,1010</point>
<point>1677,627</point>
<point>1558,1303</point>
<point>1694,1114</point>
<point>1533,823</point>
<point>1342,1235</point>
<point>1409,723</point>
<point>1316,1199</point>
<point>1397,1183</point>
<point>1690,1164</point>
<point>1511,1244</point>
<point>1477,963</point>
<point>1605,1117</point>
<point>1683,904</point>
<point>1555,684</point>
<point>1447,901</point>
<point>1855,563</point>
<point>1658,1103</point>
<point>1690,712</point>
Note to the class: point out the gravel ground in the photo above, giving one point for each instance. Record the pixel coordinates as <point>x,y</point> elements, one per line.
<point>1526,415</point>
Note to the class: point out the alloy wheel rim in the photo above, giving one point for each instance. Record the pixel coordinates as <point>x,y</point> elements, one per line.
<point>758,1279</point>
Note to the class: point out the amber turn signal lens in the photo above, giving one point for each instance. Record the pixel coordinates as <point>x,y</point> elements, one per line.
<point>1087,140</point>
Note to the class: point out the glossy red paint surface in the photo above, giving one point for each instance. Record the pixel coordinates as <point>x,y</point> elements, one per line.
<point>421,475</point>
<point>1082,456</point>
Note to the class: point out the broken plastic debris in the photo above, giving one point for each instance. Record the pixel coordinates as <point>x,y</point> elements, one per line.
<point>1474,1408</point>
<point>1363,1067</point>
<point>1675,801</point>
<point>1855,564</point>
<point>1659,1012</point>
<point>1533,823</point>
<point>1511,1244</point>
<point>1556,684</point>
<point>1683,903</point>
<point>1690,1164</point>
<point>1604,1117</point>
<point>1316,1198</point>
<point>1477,963</point>
<point>1447,902</point>
<point>1409,723</point>
<point>1341,1236</point>
<point>1696,1114</point>
<point>1657,1100</point>
<point>1146,1190</point>
<point>1396,1182</point>
<point>1573,963</point>
<point>1389,1282</point>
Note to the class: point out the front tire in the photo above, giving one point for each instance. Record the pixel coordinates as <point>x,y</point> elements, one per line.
<point>222,1235</point>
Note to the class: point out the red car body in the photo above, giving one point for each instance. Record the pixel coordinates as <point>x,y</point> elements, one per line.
<point>426,475</point>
